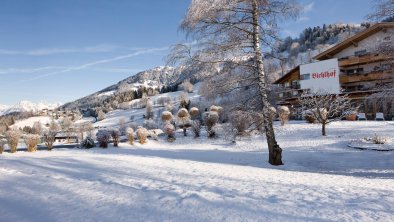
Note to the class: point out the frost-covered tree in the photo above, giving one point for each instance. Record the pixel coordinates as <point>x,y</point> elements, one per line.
<point>184,101</point>
<point>326,108</point>
<point>166,116</point>
<point>187,86</point>
<point>284,114</point>
<point>54,126</point>
<point>2,143</point>
<point>196,128</point>
<point>232,33</point>
<point>183,117</point>
<point>12,137</point>
<point>169,129</point>
<point>211,119</point>
<point>115,134</point>
<point>103,137</point>
<point>49,138</point>
<point>31,141</point>
<point>37,128</point>
<point>149,110</point>
<point>100,115</point>
<point>194,113</point>
<point>130,135</point>
<point>383,9</point>
<point>142,135</point>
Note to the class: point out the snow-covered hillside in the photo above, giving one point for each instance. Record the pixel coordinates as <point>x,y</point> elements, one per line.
<point>206,180</point>
<point>27,106</point>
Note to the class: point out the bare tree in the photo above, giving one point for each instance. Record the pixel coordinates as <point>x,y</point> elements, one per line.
<point>382,9</point>
<point>326,108</point>
<point>49,138</point>
<point>231,33</point>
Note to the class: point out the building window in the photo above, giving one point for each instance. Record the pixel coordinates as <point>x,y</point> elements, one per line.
<point>295,93</point>
<point>360,52</point>
<point>280,95</point>
<point>305,76</point>
<point>287,84</point>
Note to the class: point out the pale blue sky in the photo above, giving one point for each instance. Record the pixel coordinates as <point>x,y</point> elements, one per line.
<point>58,51</point>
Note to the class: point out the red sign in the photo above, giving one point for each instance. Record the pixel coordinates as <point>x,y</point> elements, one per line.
<point>331,73</point>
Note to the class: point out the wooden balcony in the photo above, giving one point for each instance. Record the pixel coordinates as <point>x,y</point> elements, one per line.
<point>357,60</point>
<point>372,76</point>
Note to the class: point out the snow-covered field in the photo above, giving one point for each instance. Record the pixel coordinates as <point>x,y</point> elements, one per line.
<point>206,180</point>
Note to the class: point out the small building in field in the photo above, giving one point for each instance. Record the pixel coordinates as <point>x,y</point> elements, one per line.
<point>62,137</point>
<point>361,66</point>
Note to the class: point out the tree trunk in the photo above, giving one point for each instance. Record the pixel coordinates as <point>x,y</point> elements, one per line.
<point>323,129</point>
<point>275,152</point>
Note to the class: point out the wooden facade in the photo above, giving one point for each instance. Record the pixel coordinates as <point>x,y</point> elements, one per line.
<point>363,72</point>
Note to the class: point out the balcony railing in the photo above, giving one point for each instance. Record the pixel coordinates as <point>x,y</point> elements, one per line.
<point>363,77</point>
<point>355,60</point>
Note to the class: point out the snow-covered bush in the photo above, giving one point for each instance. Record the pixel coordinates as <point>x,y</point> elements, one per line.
<point>100,115</point>
<point>122,126</point>
<point>211,119</point>
<point>2,143</point>
<point>184,101</point>
<point>150,124</point>
<point>103,136</point>
<point>183,117</point>
<point>169,107</point>
<point>272,112</point>
<point>37,128</point>
<point>284,114</point>
<point>169,129</point>
<point>12,137</point>
<point>130,135</point>
<point>133,125</point>
<point>149,110</point>
<point>376,139</point>
<point>187,86</point>
<point>194,112</point>
<point>240,121</point>
<point>142,135</point>
<point>196,128</point>
<point>115,134</point>
<point>163,100</point>
<point>166,116</point>
<point>49,138</point>
<point>31,141</point>
<point>153,135</point>
<point>88,143</point>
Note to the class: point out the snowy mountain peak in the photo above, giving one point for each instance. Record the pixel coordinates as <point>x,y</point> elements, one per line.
<point>27,106</point>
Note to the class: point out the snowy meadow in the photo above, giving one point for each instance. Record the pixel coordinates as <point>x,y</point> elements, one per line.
<point>206,179</point>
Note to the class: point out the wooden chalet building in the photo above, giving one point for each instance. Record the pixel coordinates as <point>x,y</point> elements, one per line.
<point>363,71</point>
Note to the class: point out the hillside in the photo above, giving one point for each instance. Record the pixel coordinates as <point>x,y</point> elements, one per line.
<point>27,106</point>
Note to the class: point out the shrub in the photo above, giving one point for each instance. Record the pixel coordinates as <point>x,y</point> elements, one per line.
<point>196,128</point>
<point>240,121</point>
<point>211,118</point>
<point>100,115</point>
<point>153,135</point>
<point>115,134</point>
<point>187,86</point>
<point>130,135</point>
<point>142,135</point>
<point>2,143</point>
<point>149,110</point>
<point>88,143</point>
<point>284,114</point>
<point>166,116</point>
<point>380,139</point>
<point>133,125</point>
<point>31,141</point>
<point>169,129</point>
<point>103,137</point>
<point>150,124</point>
<point>183,116</point>
<point>163,100</point>
<point>12,137</point>
<point>49,139</point>
<point>194,112</point>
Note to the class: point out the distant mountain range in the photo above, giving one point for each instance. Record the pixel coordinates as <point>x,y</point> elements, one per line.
<point>27,106</point>
<point>294,51</point>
